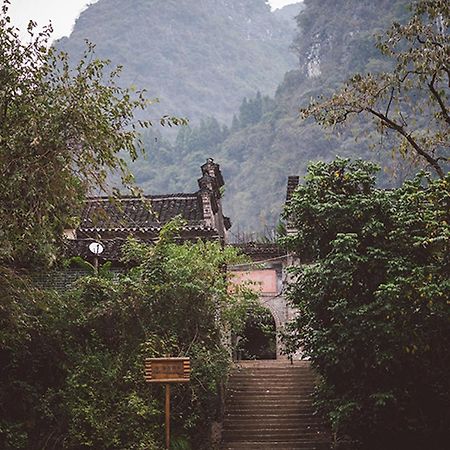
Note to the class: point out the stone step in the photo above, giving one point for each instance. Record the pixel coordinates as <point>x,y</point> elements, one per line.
<point>270,392</point>
<point>261,431</point>
<point>288,428</point>
<point>269,406</point>
<point>278,421</point>
<point>270,376</point>
<point>270,379</point>
<point>269,398</point>
<point>273,421</point>
<point>275,435</point>
<point>292,387</point>
<point>249,408</point>
<point>251,413</point>
<point>269,401</point>
<point>279,373</point>
<point>248,415</point>
<point>282,445</point>
<point>242,386</point>
<point>282,383</point>
<point>242,412</point>
<point>284,369</point>
<point>258,415</point>
<point>274,430</point>
<point>270,382</point>
<point>275,425</point>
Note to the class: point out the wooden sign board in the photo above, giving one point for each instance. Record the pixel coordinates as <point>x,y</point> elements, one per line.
<point>167,370</point>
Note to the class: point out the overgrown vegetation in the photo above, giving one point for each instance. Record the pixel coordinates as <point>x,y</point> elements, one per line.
<point>373,298</point>
<point>373,302</point>
<point>72,364</point>
<point>410,102</point>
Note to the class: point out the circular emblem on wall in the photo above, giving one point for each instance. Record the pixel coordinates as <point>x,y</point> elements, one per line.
<point>96,248</point>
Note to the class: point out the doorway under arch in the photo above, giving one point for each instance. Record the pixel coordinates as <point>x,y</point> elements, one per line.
<point>258,339</point>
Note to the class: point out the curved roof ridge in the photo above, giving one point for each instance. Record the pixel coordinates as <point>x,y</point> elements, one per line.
<point>181,195</point>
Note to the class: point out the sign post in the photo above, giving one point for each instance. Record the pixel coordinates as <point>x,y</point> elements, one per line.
<point>167,370</point>
<point>168,415</point>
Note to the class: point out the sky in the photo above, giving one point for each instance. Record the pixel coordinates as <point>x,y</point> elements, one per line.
<point>63,13</point>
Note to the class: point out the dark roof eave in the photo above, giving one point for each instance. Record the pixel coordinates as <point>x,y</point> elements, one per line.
<point>142,229</point>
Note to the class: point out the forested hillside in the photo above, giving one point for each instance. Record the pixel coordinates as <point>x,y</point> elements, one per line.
<point>199,57</point>
<point>266,140</point>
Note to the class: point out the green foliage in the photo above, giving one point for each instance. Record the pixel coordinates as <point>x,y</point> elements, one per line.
<point>410,102</point>
<point>61,133</point>
<point>72,365</point>
<point>250,112</point>
<point>374,310</point>
<point>260,325</point>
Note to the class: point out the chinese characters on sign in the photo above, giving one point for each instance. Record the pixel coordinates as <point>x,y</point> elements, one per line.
<point>167,370</point>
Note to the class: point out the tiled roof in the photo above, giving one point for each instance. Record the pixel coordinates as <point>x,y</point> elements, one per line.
<point>268,249</point>
<point>141,214</point>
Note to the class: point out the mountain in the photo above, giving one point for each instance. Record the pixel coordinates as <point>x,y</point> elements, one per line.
<point>266,140</point>
<point>199,57</point>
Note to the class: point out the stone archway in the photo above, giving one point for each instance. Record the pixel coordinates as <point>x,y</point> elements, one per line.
<point>267,283</point>
<point>279,310</point>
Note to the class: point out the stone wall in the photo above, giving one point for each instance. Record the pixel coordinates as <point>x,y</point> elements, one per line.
<point>63,279</point>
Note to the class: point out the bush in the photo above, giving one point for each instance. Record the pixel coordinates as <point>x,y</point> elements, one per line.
<point>72,365</point>
<point>373,304</point>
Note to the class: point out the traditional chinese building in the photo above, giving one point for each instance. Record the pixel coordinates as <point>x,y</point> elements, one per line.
<point>110,223</point>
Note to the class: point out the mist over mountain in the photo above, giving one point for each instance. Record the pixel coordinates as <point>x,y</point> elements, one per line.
<point>200,58</point>
<point>217,62</point>
<point>266,140</point>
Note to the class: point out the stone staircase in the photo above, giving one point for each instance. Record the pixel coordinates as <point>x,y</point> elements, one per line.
<point>269,407</point>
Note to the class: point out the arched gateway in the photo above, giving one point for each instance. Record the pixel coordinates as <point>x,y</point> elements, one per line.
<point>267,273</point>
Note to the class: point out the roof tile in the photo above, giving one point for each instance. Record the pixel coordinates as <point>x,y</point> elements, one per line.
<point>149,212</point>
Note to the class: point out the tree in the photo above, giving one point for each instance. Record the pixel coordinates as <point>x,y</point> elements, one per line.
<point>72,362</point>
<point>373,302</point>
<point>251,110</point>
<point>61,132</point>
<point>411,102</point>
<point>235,125</point>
